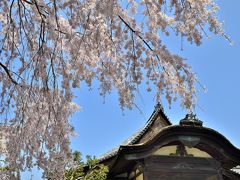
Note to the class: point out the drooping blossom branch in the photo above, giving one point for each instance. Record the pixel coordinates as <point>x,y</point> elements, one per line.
<point>49,47</point>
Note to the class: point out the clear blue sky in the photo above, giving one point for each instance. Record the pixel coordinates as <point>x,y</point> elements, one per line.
<point>102,126</point>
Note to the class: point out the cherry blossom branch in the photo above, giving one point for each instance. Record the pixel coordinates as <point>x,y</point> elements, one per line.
<point>54,45</point>
<point>8,73</point>
<point>143,40</point>
<point>135,32</point>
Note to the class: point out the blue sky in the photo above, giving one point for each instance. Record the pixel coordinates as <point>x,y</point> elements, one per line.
<point>101,126</point>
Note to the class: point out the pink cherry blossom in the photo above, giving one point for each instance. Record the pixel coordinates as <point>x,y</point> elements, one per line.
<point>49,47</point>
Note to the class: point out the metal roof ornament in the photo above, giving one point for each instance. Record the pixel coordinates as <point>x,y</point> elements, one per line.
<point>191,120</point>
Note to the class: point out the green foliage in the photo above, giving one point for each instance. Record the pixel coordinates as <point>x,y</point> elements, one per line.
<point>4,168</point>
<point>91,170</point>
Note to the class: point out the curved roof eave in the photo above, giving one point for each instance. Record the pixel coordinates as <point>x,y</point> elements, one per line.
<point>213,138</point>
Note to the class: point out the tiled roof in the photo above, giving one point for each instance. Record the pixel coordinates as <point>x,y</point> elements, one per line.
<point>136,136</point>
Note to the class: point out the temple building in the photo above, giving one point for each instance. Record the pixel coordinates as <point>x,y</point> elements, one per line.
<point>162,151</point>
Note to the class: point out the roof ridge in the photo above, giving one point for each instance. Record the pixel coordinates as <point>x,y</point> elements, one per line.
<point>137,135</point>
